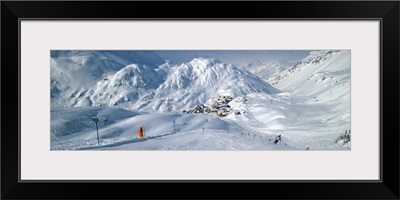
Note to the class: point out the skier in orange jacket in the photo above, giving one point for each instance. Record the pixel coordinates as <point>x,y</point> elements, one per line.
<point>140,132</point>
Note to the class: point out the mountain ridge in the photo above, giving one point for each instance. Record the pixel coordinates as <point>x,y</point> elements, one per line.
<point>143,87</point>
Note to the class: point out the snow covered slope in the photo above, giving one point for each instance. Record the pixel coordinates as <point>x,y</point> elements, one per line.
<point>192,132</point>
<point>317,61</point>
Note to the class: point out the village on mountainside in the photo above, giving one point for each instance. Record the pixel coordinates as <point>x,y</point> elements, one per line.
<point>220,107</point>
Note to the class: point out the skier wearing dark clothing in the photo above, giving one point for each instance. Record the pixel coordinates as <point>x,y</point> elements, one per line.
<point>277,139</point>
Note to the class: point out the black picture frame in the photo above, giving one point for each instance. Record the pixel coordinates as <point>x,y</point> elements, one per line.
<point>386,11</point>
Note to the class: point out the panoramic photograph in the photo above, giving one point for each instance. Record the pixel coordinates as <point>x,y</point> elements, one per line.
<point>208,100</point>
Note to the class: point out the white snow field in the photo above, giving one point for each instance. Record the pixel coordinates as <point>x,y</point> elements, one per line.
<point>308,104</point>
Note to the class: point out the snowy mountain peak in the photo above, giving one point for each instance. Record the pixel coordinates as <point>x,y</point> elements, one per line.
<point>200,61</point>
<point>200,65</point>
<point>138,76</point>
<point>299,73</point>
<point>317,57</point>
<point>211,73</point>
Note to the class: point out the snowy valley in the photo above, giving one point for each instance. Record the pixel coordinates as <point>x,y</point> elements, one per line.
<point>203,104</point>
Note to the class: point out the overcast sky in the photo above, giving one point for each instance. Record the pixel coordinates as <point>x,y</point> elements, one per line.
<point>238,57</point>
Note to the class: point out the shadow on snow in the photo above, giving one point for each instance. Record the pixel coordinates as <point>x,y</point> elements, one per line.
<point>129,141</point>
